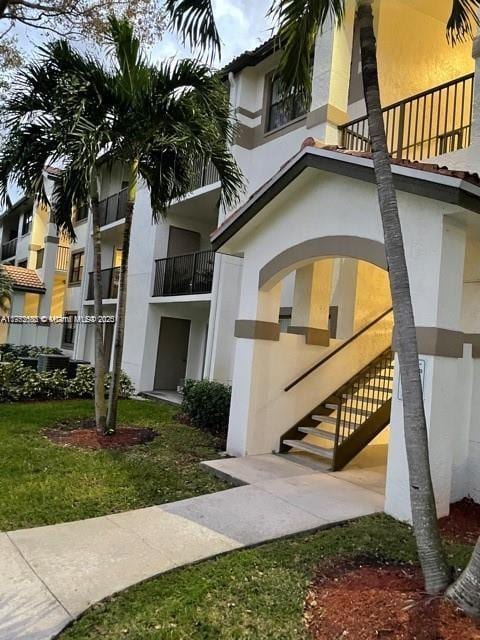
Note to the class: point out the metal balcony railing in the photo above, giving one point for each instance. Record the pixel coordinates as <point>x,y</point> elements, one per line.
<point>204,174</point>
<point>425,125</point>
<point>184,275</point>
<point>113,207</point>
<point>110,282</point>
<point>9,249</point>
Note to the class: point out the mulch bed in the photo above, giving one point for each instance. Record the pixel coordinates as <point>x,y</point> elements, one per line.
<point>372,601</point>
<point>463,523</point>
<point>81,433</point>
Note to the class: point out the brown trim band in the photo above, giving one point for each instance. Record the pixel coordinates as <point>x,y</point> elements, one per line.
<point>253,137</point>
<point>250,114</point>
<point>257,330</point>
<point>329,246</point>
<point>435,341</point>
<point>326,113</point>
<point>52,239</point>
<point>319,337</point>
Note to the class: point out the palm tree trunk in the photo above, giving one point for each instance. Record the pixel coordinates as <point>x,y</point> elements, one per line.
<point>424,514</point>
<point>100,402</point>
<point>121,305</point>
<point>465,592</point>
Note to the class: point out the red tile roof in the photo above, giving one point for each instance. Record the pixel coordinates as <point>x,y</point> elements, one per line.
<point>430,167</point>
<point>24,279</point>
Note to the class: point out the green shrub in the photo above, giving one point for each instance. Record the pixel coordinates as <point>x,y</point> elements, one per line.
<point>11,352</point>
<point>18,382</point>
<point>207,404</point>
<point>83,385</point>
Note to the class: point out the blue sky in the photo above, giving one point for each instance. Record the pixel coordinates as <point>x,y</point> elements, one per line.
<point>242,25</point>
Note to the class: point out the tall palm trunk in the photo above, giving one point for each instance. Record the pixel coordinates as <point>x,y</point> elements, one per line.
<point>121,304</point>
<point>100,402</point>
<point>424,515</point>
<point>465,592</point>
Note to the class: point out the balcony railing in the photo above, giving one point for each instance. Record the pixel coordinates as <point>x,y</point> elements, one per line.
<point>205,173</point>
<point>425,125</point>
<point>184,275</point>
<point>110,282</point>
<point>9,249</point>
<point>63,256</point>
<point>113,207</point>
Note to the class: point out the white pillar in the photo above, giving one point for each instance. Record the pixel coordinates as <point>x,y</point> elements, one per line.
<point>344,295</point>
<point>47,272</point>
<point>437,306</point>
<point>311,302</point>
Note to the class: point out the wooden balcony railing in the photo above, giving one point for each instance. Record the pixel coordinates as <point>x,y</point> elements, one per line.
<point>184,275</point>
<point>113,207</point>
<point>9,249</point>
<point>110,282</point>
<point>425,125</point>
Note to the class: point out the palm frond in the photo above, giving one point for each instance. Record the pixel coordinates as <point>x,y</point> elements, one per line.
<point>463,18</point>
<point>299,23</point>
<point>194,20</point>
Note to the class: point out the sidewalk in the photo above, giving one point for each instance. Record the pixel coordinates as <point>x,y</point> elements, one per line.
<point>49,575</point>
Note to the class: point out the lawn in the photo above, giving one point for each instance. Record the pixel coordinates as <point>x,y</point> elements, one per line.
<point>43,483</point>
<point>255,593</point>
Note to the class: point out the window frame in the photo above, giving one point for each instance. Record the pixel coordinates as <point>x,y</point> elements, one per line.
<point>75,272</point>
<point>270,80</point>
<point>69,329</point>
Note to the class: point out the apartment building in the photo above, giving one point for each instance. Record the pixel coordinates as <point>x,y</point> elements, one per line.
<point>288,297</point>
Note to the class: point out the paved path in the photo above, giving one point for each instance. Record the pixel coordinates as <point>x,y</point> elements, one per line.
<point>49,575</point>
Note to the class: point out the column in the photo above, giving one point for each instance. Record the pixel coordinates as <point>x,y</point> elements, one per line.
<point>311,302</point>
<point>47,272</point>
<point>437,300</point>
<point>344,289</point>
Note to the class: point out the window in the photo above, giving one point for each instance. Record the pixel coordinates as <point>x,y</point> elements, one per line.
<point>82,213</point>
<point>68,335</point>
<point>27,222</point>
<point>76,267</point>
<point>283,108</point>
<point>285,318</point>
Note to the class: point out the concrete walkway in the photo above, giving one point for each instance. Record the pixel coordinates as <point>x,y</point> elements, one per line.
<point>49,575</point>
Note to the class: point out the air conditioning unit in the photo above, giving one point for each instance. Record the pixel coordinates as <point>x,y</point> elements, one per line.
<point>50,362</point>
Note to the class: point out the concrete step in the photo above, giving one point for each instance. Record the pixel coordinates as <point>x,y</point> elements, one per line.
<point>311,448</point>
<point>320,433</point>
<point>353,410</point>
<point>333,420</point>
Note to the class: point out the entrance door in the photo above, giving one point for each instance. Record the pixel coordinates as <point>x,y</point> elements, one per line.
<point>172,353</point>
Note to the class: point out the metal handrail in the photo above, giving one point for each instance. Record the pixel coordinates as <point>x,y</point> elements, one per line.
<point>337,349</point>
<point>440,115</point>
<point>190,273</point>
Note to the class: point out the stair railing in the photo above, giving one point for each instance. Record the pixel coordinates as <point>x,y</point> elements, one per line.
<point>342,346</point>
<point>356,398</point>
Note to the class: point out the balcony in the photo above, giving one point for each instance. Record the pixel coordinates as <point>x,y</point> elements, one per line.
<point>110,282</point>
<point>204,174</point>
<point>184,275</point>
<point>9,249</point>
<point>425,125</point>
<point>61,261</point>
<point>112,208</point>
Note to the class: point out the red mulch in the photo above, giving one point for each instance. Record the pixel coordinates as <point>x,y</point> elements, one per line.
<point>355,601</point>
<point>81,433</point>
<point>463,523</point>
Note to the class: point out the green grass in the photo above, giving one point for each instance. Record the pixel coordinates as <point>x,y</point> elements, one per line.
<point>256,594</point>
<point>43,483</point>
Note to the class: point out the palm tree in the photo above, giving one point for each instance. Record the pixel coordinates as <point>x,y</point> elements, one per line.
<point>6,290</point>
<point>43,129</point>
<point>299,23</point>
<point>158,121</point>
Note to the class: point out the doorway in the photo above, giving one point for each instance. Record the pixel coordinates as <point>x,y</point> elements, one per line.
<point>172,353</point>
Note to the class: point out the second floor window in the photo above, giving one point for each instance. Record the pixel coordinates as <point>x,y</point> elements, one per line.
<point>284,107</point>
<point>76,267</point>
<point>81,213</point>
<point>27,222</point>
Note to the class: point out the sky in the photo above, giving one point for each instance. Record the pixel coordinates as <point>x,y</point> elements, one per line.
<point>242,25</point>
